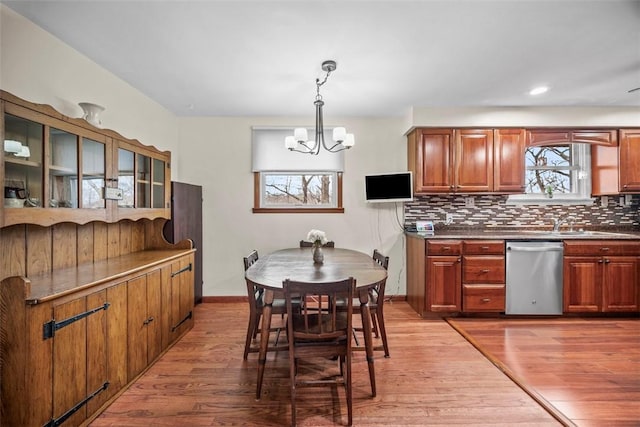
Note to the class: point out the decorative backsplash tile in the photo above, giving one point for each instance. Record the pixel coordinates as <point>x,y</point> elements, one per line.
<point>491,211</point>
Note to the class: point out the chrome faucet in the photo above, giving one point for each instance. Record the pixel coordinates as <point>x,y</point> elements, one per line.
<point>557,222</point>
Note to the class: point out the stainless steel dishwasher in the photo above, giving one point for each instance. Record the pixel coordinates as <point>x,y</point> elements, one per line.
<point>534,277</point>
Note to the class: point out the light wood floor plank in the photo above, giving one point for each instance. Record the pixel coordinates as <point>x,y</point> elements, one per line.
<point>433,377</point>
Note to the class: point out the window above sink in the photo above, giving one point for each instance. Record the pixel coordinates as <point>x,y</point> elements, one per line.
<point>556,175</point>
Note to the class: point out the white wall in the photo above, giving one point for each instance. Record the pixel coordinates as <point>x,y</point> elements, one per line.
<point>219,158</point>
<point>215,152</point>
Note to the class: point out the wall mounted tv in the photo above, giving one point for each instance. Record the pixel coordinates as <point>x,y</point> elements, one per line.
<point>389,187</point>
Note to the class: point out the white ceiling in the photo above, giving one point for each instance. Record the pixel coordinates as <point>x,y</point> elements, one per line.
<point>246,58</point>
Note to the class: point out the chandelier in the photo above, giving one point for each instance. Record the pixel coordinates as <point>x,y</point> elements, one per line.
<point>300,142</point>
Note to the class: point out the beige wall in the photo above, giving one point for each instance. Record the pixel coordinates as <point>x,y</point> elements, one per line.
<point>215,153</point>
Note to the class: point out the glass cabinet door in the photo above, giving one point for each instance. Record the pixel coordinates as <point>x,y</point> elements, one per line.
<point>143,199</point>
<point>158,183</point>
<point>125,178</point>
<point>63,169</point>
<point>93,174</point>
<point>23,154</point>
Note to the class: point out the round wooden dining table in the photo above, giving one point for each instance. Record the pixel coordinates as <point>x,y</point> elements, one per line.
<point>297,264</point>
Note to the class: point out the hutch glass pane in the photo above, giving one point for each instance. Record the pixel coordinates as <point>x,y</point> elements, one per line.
<point>158,183</point>
<point>22,162</point>
<point>63,169</point>
<point>93,174</point>
<point>125,178</point>
<point>143,198</point>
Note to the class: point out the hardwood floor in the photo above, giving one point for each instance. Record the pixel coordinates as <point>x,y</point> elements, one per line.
<point>433,377</point>
<point>586,369</point>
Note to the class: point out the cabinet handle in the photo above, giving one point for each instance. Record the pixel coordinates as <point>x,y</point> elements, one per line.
<point>486,300</point>
<point>605,249</point>
<point>149,320</point>
<point>446,248</point>
<point>600,261</point>
<point>459,260</point>
<point>484,248</point>
<point>485,271</point>
<point>607,261</point>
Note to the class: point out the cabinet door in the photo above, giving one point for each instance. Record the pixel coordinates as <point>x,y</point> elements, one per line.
<point>181,318</point>
<point>629,160</point>
<point>582,284</point>
<point>508,160</point>
<point>473,160</point>
<point>431,159</point>
<point>620,284</point>
<point>443,283</point>
<point>137,321</point>
<point>70,362</point>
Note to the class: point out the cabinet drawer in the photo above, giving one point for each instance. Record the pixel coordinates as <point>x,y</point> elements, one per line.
<point>483,247</point>
<point>444,247</point>
<point>482,269</point>
<point>483,298</point>
<point>601,247</point>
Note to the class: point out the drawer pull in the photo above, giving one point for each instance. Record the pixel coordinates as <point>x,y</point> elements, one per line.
<point>485,270</point>
<point>605,249</point>
<point>484,248</point>
<point>446,248</point>
<point>486,300</point>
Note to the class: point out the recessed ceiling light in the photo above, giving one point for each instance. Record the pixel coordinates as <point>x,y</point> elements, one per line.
<point>538,90</point>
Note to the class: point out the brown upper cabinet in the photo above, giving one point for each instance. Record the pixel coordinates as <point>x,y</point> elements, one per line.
<point>56,169</point>
<point>551,136</point>
<point>466,160</point>
<point>616,168</point>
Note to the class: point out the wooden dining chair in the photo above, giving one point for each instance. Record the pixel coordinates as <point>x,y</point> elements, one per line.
<point>305,244</point>
<point>376,306</point>
<point>255,294</point>
<point>321,333</point>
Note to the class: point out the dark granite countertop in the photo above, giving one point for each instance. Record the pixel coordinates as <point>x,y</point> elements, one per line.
<point>528,234</point>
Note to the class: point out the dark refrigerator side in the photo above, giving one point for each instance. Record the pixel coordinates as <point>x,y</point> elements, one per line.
<point>186,223</point>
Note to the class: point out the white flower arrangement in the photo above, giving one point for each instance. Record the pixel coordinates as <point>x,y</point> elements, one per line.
<point>317,237</point>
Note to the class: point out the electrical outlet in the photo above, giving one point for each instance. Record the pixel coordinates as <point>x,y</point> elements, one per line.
<point>469,202</point>
<point>448,219</point>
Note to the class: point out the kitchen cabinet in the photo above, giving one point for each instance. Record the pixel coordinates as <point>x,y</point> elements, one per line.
<point>554,136</point>
<point>63,169</point>
<point>443,275</point>
<point>483,276</point>
<point>466,160</point>
<point>508,160</point>
<point>601,276</point>
<point>629,160</point>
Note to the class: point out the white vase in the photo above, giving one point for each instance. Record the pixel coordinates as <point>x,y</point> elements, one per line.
<point>318,255</point>
<point>92,113</point>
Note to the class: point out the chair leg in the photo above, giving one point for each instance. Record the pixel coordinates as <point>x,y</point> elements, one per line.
<point>292,380</point>
<point>349,390</point>
<point>251,333</point>
<point>374,323</point>
<point>383,331</point>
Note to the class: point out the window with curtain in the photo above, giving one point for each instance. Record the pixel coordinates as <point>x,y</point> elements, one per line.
<point>291,182</point>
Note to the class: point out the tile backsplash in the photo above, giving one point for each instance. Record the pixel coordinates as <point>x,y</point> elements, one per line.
<point>491,211</point>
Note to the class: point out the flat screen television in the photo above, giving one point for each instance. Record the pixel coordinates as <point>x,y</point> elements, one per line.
<point>389,187</point>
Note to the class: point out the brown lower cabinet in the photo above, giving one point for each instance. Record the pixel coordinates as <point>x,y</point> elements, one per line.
<point>601,276</point>
<point>448,276</point>
<point>66,354</point>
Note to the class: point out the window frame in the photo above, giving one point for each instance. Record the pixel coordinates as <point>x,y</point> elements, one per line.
<point>257,195</point>
<point>581,152</point>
